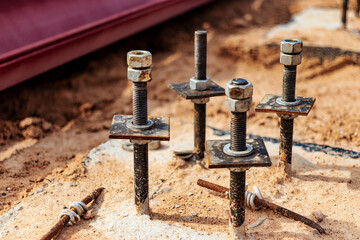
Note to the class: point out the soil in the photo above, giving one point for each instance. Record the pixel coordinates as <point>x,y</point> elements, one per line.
<point>51,122</point>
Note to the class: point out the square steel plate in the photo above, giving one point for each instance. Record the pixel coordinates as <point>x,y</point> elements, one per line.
<point>269,104</point>
<point>216,158</point>
<point>159,131</point>
<point>184,90</point>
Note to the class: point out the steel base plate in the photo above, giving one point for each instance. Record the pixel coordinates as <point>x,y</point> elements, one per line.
<point>184,90</point>
<point>216,158</point>
<point>160,130</point>
<point>269,104</point>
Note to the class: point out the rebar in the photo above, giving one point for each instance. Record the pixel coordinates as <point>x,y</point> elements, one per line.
<point>344,13</point>
<point>237,198</point>
<point>199,130</point>
<point>60,225</point>
<point>141,178</point>
<point>265,204</point>
<point>286,140</point>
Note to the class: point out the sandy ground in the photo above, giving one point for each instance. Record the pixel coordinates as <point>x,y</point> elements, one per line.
<point>43,158</point>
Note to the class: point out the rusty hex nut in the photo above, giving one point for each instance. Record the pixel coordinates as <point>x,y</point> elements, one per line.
<point>237,105</point>
<point>139,75</point>
<point>199,85</point>
<point>291,46</point>
<point>238,91</point>
<point>139,59</point>
<point>290,60</point>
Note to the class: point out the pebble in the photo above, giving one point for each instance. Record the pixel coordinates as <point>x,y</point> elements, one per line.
<point>73,185</point>
<point>18,208</point>
<point>165,190</point>
<point>190,194</point>
<point>176,206</point>
<point>319,216</point>
<point>206,176</point>
<point>257,222</point>
<point>188,218</point>
<point>39,190</point>
<point>3,194</point>
<point>194,214</point>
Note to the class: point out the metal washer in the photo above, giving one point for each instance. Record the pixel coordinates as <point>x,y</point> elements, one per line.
<point>131,125</point>
<point>283,103</point>
<point>228,151</point>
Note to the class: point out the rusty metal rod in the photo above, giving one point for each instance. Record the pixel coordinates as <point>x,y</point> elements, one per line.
<point>60,225</point>
<point>265,204</point>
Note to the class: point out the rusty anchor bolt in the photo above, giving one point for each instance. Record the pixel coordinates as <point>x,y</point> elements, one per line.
<point>238,101</point>
<point>290,56</point>
<point>199,89</point>
<point>139,72</point>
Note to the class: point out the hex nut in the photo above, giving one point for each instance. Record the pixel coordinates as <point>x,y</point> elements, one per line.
<point>290,60</point>
<point>236,105</point>
<point>139,59</point>
<point>291,46</point>
<point>238,91</point>
<point>139,75</point>
<point>199,85</point>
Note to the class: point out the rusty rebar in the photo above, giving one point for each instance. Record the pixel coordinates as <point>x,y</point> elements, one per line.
<point>265,204</point>
<point>60,225</point>
<point>199,130</point>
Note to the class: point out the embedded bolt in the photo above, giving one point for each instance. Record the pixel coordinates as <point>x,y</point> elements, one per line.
<point>238,101</point>
<point>200,82</point>
<point>290,47</point>
<point>140,61</point>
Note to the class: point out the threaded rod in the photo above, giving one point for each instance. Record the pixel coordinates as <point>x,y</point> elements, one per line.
<point>238,131</point>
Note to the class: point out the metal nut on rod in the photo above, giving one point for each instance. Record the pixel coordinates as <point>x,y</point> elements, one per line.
<point>139,59</point>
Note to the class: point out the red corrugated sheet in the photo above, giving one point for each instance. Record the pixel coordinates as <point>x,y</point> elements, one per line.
<point>37,35</point>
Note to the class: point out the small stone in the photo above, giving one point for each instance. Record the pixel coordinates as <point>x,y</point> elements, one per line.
<point>194,214</point>
<point>3,194</point>
<point>349,181</point>
<point>176,206</point>
<point>32,132</point>
<point>8,189</point>
<point>29,121</point>
<point>18,208</point>
<point>39,190</point>
<point>318,215</point>
<point>206,176</point>
<point>190,194</point>
<point>89,214</point>
<point>257,222</point>
<point>188,218</point>
<point>46,126</point>
<point>165,190</point>
<point>73,185</point>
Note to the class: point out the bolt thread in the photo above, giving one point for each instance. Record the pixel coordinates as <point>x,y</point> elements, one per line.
<point>200,54</point>
<point>140,116</point>
<point>237,198</point>
<point>238,131</point>
<point>289,83</point>
<point>141,174</point>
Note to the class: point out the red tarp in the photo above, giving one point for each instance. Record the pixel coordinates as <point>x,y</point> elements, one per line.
<point>38,35</point>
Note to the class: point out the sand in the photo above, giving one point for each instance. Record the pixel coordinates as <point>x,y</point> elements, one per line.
<point>42,168</point>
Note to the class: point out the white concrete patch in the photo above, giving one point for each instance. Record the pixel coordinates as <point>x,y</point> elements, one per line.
<point>125,224</point>
<point>312,18</point>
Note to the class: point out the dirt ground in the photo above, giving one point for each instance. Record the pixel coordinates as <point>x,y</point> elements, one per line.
<point>50,123</point>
